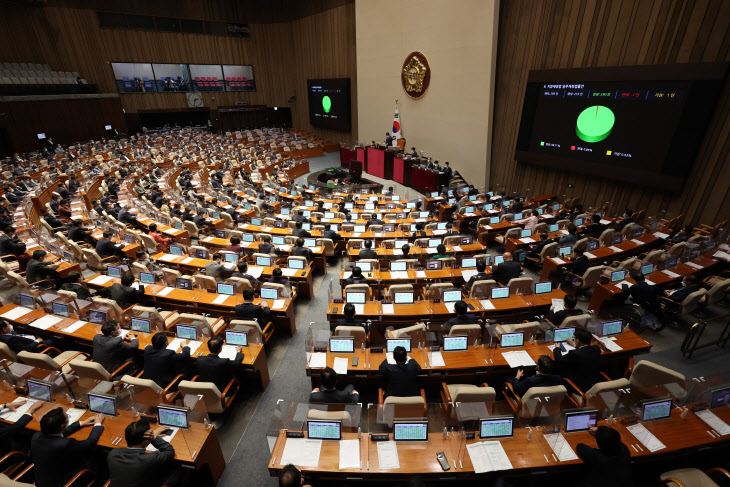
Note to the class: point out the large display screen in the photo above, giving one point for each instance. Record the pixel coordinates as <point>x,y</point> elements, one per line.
<point>329,103</point>
<point>638,124</point>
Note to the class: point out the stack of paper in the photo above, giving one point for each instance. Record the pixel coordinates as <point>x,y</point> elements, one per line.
<point>620,285</point>
<point>604,222</point>
<point>301,452</point>
<point>518,358</point>
<point>527,240</point>
<point>646,438</point>
<point>721,255</point>
<point>420,274</point>
<point>175,344</point>
<point>340,365</point>
<point>164,258</point>
<point>399,274</point>
<point>695,265</point>
<point>207,239</point>
<point>346,274</point>
<point>101,280</point>
<point>255,271</point>
<point>278,304</point>
<point>388,455</point>
<point>661,235</point>
<point>671,274</point>
<point>488,456</point>
<point>468,274</point>
<point>13,417</point>
<point>170,231</point>
<point>486,304</point>
<point>558,304</point>
<point>46,322</point>
<point>229,352</point>
<point>318,360</point>
<point>74,414</point>
<point>457,248</point>
<point>290,272</point>
<point>166,291</point>
<point>359,309</point>
<point>437,360</point>
<point>16,313</point>
<point>431,250</point>
<point>388,309</point>
<point>561,447</point>
<point>391,360</point>
<point>714,422</point>
<point>450,306</point>
<point>558,261</point>
<point>284,248</point>
<point>220,299</point>
<point>611,345</point>
<point>637,242</point>
<point>349,454</point>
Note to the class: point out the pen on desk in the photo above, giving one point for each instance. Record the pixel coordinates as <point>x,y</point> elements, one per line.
<point>461,465</point>
<point>640,448</point>
<point>554,457</point>
<point>546,458</point>
<point>193,455</point>
<point>710,433</point>
<point>632,446</point>
<point>273,462</point>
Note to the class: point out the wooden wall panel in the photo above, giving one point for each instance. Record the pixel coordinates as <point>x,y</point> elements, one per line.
<point>550,34</point>
<point>312,40</point>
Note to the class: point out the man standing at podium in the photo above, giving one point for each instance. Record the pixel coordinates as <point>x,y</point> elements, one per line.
<point>388,139</point>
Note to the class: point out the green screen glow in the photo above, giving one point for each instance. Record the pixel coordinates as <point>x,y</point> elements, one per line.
<point>326,104</point>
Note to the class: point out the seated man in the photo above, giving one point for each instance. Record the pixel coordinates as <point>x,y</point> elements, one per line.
<point>72,284</point>
<point>161,365</point>
<point>461,318</point>
<point>277,277</point>
<point>571,238</point>
<point>643,293</point>
<point>212,368</point>
<point>625,220</point>
<point>690,284</point>
<point>481,275</point>
<point>367,252</point>
<point>401,378</point>
<point>111,351</point>
<point>124,294</point>
<point>11,436</point>
<point>328,392</point>
<point>17,343</point>
<point>300,250</point>
<point>235,244</point>
<point>266,247</point>
<point>594,229</point>
<point>291,477</point>
<point>250,311</point>
<point>543,377</point>
<point>356,277</point>
<point>557,317</point>
<point>582,364</point>
<point>581,263</point>
<point>450,232</point>
<point>331,234</point>
<point>507,270</point>
<point>134,466</point>
<point>299,231</point>
<point>242,272</point>
<point>106,248</point>
<point>38,270</point>
<point>78,234</point>
<point>536,248</point>
<point>349,320</point>
<point>441,252</point>
<point>609,464</point>
<point>214,267</point>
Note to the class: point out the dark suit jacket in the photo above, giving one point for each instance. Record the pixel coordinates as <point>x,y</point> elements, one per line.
<point>266,248</point>
<point>78,234</point>
<point>300,232</point>
<point>401,379</point>
<point>250,311</point>
<point>606,471</point>
<point>58,458</point>
<point>8,433</point>
<point>37,271</point>
<point>593,230</point>
<point>356,280</point>
<point>368,254</point>
<point>677,295</point>
<point>582,365</point>
<point>134,467</point>
<point>7,244</point>
<point>332,235</point>
<point>350,322</point>
<point>537,380</point>
<point>106,248</point>
<point>479,276</point>
<point>557,317</point>
<point>344,396</point>
<point>161,365</point>
<point>81,291</point>
<point>645,295</point>
<point>580,266</point>
<point>302,252</point>
<point>506,271</point>
<point>17,343</point>
<point>212,368</point>
<point>620,226</point>
<point>111,352</point>
<point>126,296</point>
<point>467,319</point>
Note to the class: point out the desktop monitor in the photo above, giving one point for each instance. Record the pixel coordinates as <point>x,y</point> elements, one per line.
<point>578,222</point>
<point>496,427</point>
<point>278,240</point>
<point>272,198</point>
<point>237,338</point>
<point>349,206</point>
<point>441,226</point>
<point>508,340</point>
<point>369,206</point>
<point>720,396</point>
<point>467,240</point>
<point>102,404</point>
<point>183,283</point>
<point>263,261</point>
<point>539,211</point>
<point>647,269</point>
<point>612,328</point>
<point>172,416</point>
<point>60,309</point>
<point>186,332</point>
<point>494,220</point>
<point>398,265</point>
<point>41,136</point>
<point>327,205</point>
<point>202,253</point>
<point>329,215</point>
<point>562,334</point>
<point>112,271</point>
<point>392,343</point>
<point>653,409</point>
<point>405,297</point>
<point>517,216</point>
<point>215,215</point>
<point>359,228</point>
<point>365,266</point>
<point>525,233</point>
<point>410,205</point>
<point>324,430</point>
<point>39,390</point>
<point>97,317</point>
<point>247,237</point>
<point>306,226</point>
<point>285,211</point>
<point>671,262</point>
<point>309,203</point>
<point>433,265</point>
<point>505,204</point>
<point>456,343</point>
<point>553,228</point>
<point>434,194</point>
<point>342,344</point>
<point>256,222</point>
<point>424,214</point>
<point>355,297</point>
<point>617,276</point>
<point>398,244</point>
<point>543,287</point>
<point>592,245</point>
<point>230,258</point>
<point>500,292</point>
<point>396,197</point>
<point>146,278</point>
<point>472,197</point>
<point>179,226</point>
<point>489,206</point>
<point>295,264</point>
<point>225,288</point>
<point>176,250</point>
<point>128,239</point>
<point>556,206</point>
<point>269,293</point>
<point>580,420</point>
<point>498,259</point>
<point>410,430</point>
<point>310,242</point>
<point>638,232</point>
<point>389,228</point>
<point>434,242</point>
<point>27,301</point>
<point>468,262</point>
<point>469,209</point>
<point>140,325</point>
<point>565,251</point>
<point>452,296</point>
<point>618,238</point>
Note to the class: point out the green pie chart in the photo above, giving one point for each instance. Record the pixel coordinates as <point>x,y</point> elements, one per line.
<point>326,104</point>
<point>595,124</point>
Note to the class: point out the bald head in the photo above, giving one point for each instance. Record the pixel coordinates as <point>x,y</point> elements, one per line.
<point>507,256</point>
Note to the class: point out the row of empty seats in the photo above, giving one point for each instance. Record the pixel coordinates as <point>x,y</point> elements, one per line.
<point>34,74</point>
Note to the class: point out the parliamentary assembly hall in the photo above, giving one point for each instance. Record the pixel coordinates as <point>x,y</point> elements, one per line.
<point>352,243</point>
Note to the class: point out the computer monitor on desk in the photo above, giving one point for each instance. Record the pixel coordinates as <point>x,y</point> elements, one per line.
<point>176,250</point>
<point>392,343</point>
<point>618,276</point>
<point>355,297</point>
<point>342,344</point>
<point>324,430</point>
<point>452,296</point>
<point>97,317</point>
<point>562,334</point>
<point>468,262</point>
<point>102,404</point>
<point>612,328</point>
<point>499,292</point>
<point>580,420</point>
<point>39,390</point>
<point>27,301</point>
<point>655,409</point>
<point>456,343</point>
<point>498,259</point>
<point>186,332</point>
<point>140,325</point>
<point>184,283</point>
<point>237,338</point>
<point>543,287</point>
<point>398,266</point>
<point>433,265</point>
<point>647,269</point>
<point>60,309</point>
<point>720,396</point>
<point>146,278</point>
<point>404,297</point>
<point>174,417</point>
<point>225,288</point>
<point>509,340</point>
<point>113,271</point>
<point>410,430</point>
<point>202,253</point>
<point>496,427</point>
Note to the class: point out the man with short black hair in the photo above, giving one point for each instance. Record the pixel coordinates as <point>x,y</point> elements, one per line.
<point>250,311</point>
<point>17,343</point>
<point>625,220</point>
<point>356,277</point>
<point>299,230</point>
<point>441,252</point>
<point>328,393</point>
<point>78,234</point>
<point>581,263</point>
<point>581,365</point>
<point>134,466</point>
<point>124,294</point>
<point>266,247</point>
<point>38,270</point>
<point>242,273</point>
<point>349,319</point>
<point>72,284</point>
<point>331,234</point>
<point>481,274</point>
<point>571,238</point>
<point>291,477</point>
<point>461,318</point>
<point>543,377</point>
<point>161,364</point>
<point>367,251</point>
<point>401,378</point>
<point>300,250</point>
<point>215,369</point>
<point>110,350</point>
<point>106,248</point>
<point>214,267</point>
<point>569,303</point>
<point>608,465</point>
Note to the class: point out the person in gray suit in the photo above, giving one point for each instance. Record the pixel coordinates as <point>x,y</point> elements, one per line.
<point>133,466</point>
<point>328,392</point>
<point>214,268</point>
<point>110,350</point>
<point>37,270</point>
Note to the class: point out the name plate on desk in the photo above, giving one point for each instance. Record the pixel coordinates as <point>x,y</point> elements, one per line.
<point>379,437</point>
<point>295,434</point>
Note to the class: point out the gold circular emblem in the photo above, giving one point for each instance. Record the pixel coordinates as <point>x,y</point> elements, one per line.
<point>415,75</point>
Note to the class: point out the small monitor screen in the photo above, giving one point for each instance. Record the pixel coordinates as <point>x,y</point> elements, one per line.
<point>397,265</point>
<point>187,332</point>
<point>392,343</point>
<point>201,253</point>
<point>647,269</point>
<point>324,430</point>
<point>612,328</point>
<point>39,390</point>
<point>720,397</point>
<point>172,416</point>
<point>359,229</point>
<point>220,234</point>
<point>398,244</point>
<point>310,242</point>
<point>41,136</point>
<point>263,261</point>
<point>27,301</point>
<point>562,334</point>
<point>403,297</point>
<point>500,292</point>
<point>564,251</point>
<point>146,278</point>
<point>578,222</point>
<point>525,233</point>
<point>496,427</point>
<point>256,222</point>
<point>107,127</point>
<point>112,271</point>
<point>671,262</point>
<point>498,259</point>
<point>369,206</point>
<point>247,237</point>
<point>455,343</point>
<point>434,242</point>
<point>329,215</point>
<point>60,309</point>
<point>295,264</point>
<point>494,220</point>
<point>452,296</point>
<point>224,288</point>
<point>469,209</point>
<point>468,262</point>
<point>355,297</point>
<point>389,228</point>
<point>278,240</point>
<point>512,340</point>
<point>410,205</point>
<point>307,226</point>
<point>591,245</point>
<point>580,420</point>
<point>517,216</point>
<point>553,228</point>
<point>468,240</point>
<point>128,239</point>
<point>656,409</point>
<point>183,283</point>
<point>342,344</point>
<point>433,265</point>
<point>237,338</point>
<point>285,211</point>
<point>617,276</point>
<point>543,287</point>
<point>618,238</point>
<point>269,293</point>
<point>103,404</point>
<point>424,214</point>
<point>410,431</point>
<point>179,226</point>
<point>140,325</point>
<point>365,266</point>
<point>97,317</point>
<point>175,250</point>
<point>230,258</point>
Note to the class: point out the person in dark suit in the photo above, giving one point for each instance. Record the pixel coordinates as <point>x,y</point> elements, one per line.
<point>111,351</point>
<point>461,318</point>
<point>609,464</point>
<point>328,392</point>
<point>249,311</point>
<point>78,234</point>
<point>125,216</point>
<point>8,241</point>
<point>37,270</point>
<point>10,434</point>
<point>106,248</point>
<point>331,234</point>
<point>124,294</point>
<point>242,272</point>
<point>401,378</point>
<point>625,220</point>
<point>594,229</point>
<point>690,284</point>
<point>643,293</point>
<point>420,232</point>
<point>215,369</point>
<point>356,277</point>
<point>161,364</point>
<point>56,456</point>
<point>481,275</point>
<point>367,252</point>
<point>582,364</point>
<point>536,249</point>
<point>349,320</point>
<point>571,238</point>
<point>543,377</point>
<point>299,217</point>
<point>448,171</point>
<point>266,247</point>
<point>557,317</point>
<point>200,220</point>
<point>17,343</point>
<point>581,263</point>
<point>134,466</point>
<point>72,284</point>
<point>300,250</point>
<point>291,477</point>
<point>374,220</point>
<point>507,270</point>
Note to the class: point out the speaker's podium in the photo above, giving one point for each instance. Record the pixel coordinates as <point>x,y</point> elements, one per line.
<point>355,170</point>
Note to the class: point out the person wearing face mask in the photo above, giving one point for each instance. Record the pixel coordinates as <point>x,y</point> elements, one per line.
<point>17,343</point>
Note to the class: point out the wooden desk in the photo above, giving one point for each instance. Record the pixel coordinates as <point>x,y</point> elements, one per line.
<point>422,254</point>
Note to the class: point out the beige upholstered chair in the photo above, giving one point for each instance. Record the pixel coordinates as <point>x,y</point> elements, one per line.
<point>577,321</point>
<point>580,398</point>
<point>242,324</point>
<point>216,402</point>
<point>319,415</point>
<point>166,318</point>
<point>453,393</point>
<point>165,394</point>
<point>649,374</point>
<point>59,363</point>
<point>537,401</point>
<point>482,289</point>
<point>352,331</point>
<point>693,477</point>
<point>399,288</point>
<point>214,324</point>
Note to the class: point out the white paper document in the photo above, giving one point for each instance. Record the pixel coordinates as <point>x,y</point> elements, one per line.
<point>101,280</point>
<point>527,240</point>
<point>399,274</point>
<point>340,365</point>
<point>646,438</point>
<point>388,455</point>
<point>318,360</point>
<point>388,309</point>
<point>255,271</point>
<point>589,255</point>
<point>714,422</point>
<point>290,272</point>
<point>207,239</point>
<point>671,274</point>
<point>46,322</point>
<point>168,437</point>
<point>431,250</point>
<point>611,345</point>
<point>166,258</point>
<point>558,261</point>
<point>620,285</point>
<point>220,299</point>
<point>301,452</point>
<point>284,247</point>
<point>16,313</point>
<point>74,414</point>
<point>170,231</point>
<point>661,235</point>
<point>488,456</point>
<point>175,344</point>
<point>695,265</point>
<point>486,304</point>
<point>391,360</point>
<point>561,447</point>
<point>277,304</point>
<point>604,222</point>
<point>615,249</point>
<point>13,417</point>
<point>359,309</point>
<point>229,352</point>
<point>558,304</point>
<point>457,248</point>
<point>349,454</point>
<point>468,274</point>
<point>637,242</point>
<point>187,260</point>
<point>420,274</point>
<point>721,255</point>
<point>75,327</point>
<point>518,358</point>
<point>166,291</point>
<point>437,360</point>
<point>450,306</point>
